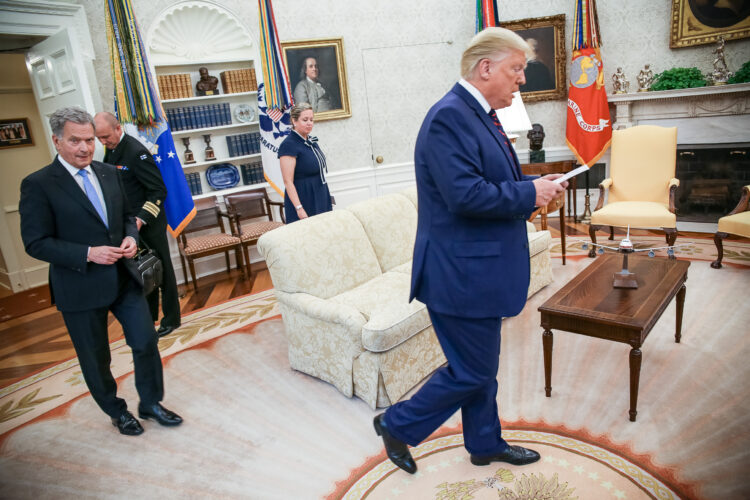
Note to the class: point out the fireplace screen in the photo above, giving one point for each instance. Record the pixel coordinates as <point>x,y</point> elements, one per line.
<point>711,180</point>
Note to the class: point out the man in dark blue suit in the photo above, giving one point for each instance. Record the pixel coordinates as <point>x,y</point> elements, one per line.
<point>471,255</point>
<point>75,215</point>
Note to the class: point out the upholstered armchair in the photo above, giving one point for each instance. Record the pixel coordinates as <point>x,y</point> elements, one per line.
<point>737,222</point>
<point>642,182</point>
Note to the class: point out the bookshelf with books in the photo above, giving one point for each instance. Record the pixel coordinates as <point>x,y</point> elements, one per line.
<point>226,121</point>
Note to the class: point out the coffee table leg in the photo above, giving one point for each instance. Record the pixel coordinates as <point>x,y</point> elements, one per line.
<point>680,304</point>
<point>547,342</point>
<point>635,376</point>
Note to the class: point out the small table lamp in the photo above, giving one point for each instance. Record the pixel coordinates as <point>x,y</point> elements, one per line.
<point>514,118</point>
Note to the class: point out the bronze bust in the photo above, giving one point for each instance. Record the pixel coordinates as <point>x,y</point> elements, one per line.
<point>207,85</point>
<point>536,138</point>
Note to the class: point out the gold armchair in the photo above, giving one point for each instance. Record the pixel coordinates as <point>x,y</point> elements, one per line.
<point>642,182</point>
<point>737,222</point>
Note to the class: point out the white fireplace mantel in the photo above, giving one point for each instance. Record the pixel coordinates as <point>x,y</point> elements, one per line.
<point>704,115</point>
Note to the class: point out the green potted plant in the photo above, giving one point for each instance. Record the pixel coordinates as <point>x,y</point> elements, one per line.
<point>742,75</point>
<point>679,78</point>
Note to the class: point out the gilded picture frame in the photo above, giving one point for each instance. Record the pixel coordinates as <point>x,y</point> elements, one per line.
<point>330,82</point>
<point>546,74</point>
<point>14,132</point>
<point>700,22</point>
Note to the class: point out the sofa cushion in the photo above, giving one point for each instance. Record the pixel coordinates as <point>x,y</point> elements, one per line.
<point>391,318</point>
<point>411,193</point>
<point>390,222</point>
<point>323,255</point>
<point>403,268</point>
<point>539,241</point>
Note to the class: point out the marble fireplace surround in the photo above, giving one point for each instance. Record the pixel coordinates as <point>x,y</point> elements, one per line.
<point>704,115</point>
<point>716,116</point>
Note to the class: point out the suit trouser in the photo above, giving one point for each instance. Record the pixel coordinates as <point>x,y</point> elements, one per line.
<point>88,331</point>
<point>156,238</point>
<point>468,381</point>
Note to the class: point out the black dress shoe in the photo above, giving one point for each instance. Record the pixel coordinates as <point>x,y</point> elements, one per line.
<point>166,330</point>
<point>515,455</point>
<point>127,424</point>
<point>396,450</point>
<point>160,414</point>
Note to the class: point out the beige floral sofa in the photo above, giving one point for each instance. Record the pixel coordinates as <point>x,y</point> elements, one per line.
<point>342,281</point>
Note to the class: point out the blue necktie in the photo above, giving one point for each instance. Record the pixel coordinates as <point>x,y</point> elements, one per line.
<point>91,193</point>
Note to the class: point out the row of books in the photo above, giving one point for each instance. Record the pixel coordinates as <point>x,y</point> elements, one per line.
<point>252,173</point>
<point>243,144</point>
<point>194,182</point>
<point>175,86</point>
<point>206,115</point>
<point>238,80</point>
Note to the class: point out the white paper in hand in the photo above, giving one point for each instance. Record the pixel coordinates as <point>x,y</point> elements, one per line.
<point>572,173</point>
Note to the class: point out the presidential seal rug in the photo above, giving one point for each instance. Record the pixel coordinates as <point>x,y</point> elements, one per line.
<point>571,468</point>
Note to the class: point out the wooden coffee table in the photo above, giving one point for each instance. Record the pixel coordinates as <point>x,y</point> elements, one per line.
<point>590,305</point>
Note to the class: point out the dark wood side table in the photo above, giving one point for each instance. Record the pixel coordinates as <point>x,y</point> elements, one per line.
<point>589,305</point>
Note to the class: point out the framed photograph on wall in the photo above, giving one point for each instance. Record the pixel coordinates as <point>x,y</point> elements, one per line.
<point>698,22</point>
<point>15,132</point>
<point>317,75</point>
<point>545,72</point>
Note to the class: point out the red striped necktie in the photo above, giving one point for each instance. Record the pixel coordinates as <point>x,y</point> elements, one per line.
<point>516,166</point>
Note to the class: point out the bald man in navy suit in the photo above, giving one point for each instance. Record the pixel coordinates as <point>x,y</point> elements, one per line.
<point>75,215</point>
<point>471,255</point>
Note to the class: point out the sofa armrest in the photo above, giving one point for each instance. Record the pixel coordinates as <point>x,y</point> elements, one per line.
<point>324,310</point>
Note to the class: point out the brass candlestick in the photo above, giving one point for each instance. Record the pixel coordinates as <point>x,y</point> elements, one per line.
<point>209,151</point>
<point>189,158</point>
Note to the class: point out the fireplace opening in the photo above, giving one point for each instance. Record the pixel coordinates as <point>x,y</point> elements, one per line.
<point>711,180</point>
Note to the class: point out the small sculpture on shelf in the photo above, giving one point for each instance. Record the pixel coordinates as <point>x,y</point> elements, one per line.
<point>209,152</point>
<point>645,79</point>
<point>620,84</point>
<point>536,138</point>
<point>189,158</point>
<point>207,85</point>
<point>721,74</point>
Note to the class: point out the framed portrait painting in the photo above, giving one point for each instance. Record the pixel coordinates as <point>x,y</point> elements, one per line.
<point>698,22</point>
<point>15,132</point>
<point>317,75</point>
<point>546,70</point>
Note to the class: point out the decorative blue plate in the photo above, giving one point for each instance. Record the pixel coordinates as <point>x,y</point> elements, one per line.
<point>222,176</point>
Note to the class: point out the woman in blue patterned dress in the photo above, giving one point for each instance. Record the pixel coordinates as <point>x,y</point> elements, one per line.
<point>303,168</point>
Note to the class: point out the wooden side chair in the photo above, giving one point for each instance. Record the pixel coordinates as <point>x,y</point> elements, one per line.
<point>250,216</point>
<point>737,222</point>
<point>193,246</point>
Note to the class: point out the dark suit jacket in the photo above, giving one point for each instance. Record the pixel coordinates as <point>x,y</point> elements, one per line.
<point>471,255</point>
<point>59,224</point>
<point>141,176</point>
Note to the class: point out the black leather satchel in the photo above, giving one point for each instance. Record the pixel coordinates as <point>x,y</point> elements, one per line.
<point>149,268</point>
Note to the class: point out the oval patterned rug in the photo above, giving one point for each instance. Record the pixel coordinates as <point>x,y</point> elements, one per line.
<point>570,468</point>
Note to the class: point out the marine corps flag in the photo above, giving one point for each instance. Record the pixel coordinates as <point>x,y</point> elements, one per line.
<point>588,131</point>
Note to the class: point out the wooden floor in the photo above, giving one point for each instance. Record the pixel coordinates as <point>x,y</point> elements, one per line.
<point>31,343</point>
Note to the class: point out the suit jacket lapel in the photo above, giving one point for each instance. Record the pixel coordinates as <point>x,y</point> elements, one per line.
<point>69,185</point>
<point>490,125</point>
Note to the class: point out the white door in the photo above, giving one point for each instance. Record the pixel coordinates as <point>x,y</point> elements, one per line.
<point>402,85</point>
<point>58,77</point>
